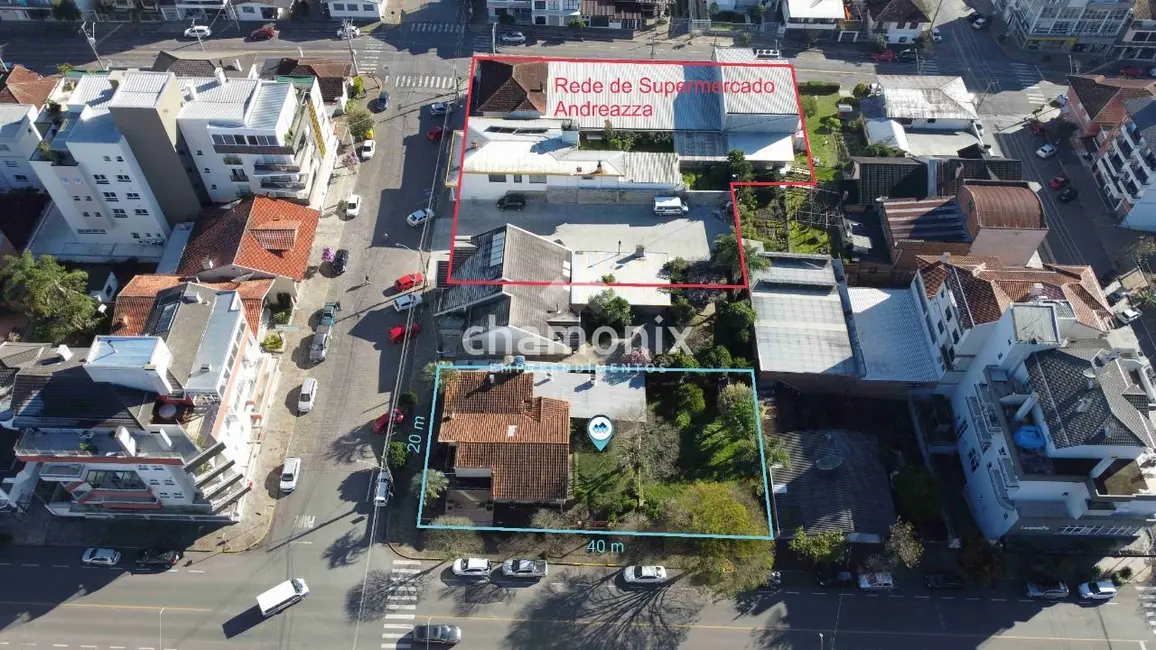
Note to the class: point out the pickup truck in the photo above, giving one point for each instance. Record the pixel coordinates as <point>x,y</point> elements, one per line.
<point>524,568</point>
<point>319,346</point>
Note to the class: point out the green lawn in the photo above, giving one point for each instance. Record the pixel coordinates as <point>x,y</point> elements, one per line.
<point>821,139</point>
<point>805,239</point>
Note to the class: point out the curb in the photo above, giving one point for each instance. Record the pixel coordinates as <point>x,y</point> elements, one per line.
<point>603,565</point>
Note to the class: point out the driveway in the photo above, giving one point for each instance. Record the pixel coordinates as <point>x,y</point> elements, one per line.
<point>609,228</point>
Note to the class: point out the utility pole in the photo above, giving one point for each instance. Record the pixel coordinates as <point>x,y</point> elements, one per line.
<point>90,36</point>
<point>494,39</point>
<point>987,91</point>
<point>347,29</point>
<point>197,33</point>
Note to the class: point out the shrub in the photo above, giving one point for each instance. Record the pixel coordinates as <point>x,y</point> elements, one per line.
<point>1122,576</point>
<point>282,317</point>
<point>678,270</point>
<point>818,88</point>
<point>273,342</point>
<point>691,399</point>
<point>861,90</point>
<point>358,87</point>
<point>396,455</point>
<point>408,399</point>
<point>810,105</point>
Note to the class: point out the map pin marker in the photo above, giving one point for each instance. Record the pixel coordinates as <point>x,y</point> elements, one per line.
<point>600,429</point>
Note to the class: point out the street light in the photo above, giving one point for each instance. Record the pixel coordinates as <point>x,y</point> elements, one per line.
<point>90,36</point>
<point>821,645</point>
<point>347,30</point>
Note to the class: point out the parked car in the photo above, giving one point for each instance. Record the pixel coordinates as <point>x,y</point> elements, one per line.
<point>437,634</point>
<point>290,472</point>
<point>1099,590</point>
<point>1116,296</point>
<point>157,557</point>
<point>329,313</point>
<point>1133,71</point>
<point>908,55</point>
<point>101,556</point>
<point>525,568</point>
<point>1058,181</point>
<point>878,581</point>
<point>266,33</point>
<point>974,16</point>
<point>947,580</point>
<point>198,32</point>
<point>381,424</point>
<point>1127,315</point>
<point>1036,127</point>
<point>407,301</point>
<point>885,55</point>
<point>348,31</point>
<point>1046,588</point>
<point>340,261</point>
<point>1061,100</point>
<point>472,567</point>
<point>1067,195</point>
<point>512,201</point>
<point>836,579</point>
<point>440,108</point>
<point>512,38</point>
<point>644,575</point>
<point>382,102</point>
<point>434,134</point>
<point>367,149</point>
<point>384,489</point>
<point>1046,151</point>
<point>352,205</point>
<point>981,22</point>
<point>307,397</point>
<point>401,332</point>
<point>408,281</point>
<point>936,36</point>
<point>418,217</point>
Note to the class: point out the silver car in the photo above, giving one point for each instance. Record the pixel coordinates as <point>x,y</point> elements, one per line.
<point>1045,588</point>
<point>101,556</point>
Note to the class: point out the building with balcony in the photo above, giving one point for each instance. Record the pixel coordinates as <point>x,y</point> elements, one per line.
<point>1064,26</point>
<point>356,9</point>
<point>262,10</point>
<point>607,14</point>
<point>900,21</point>
<point>808,15</point>
<point>206,11</point>
<point>152,426</point>
<point>19,139</point>
<point>334,79</point>
<point>252,136</point>
<point>1138,40</point>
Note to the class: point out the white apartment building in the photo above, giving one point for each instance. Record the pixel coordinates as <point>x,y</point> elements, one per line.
<point>1064,26</point>
<point>1125,167</point>
<point>356,9</point>
<point>18,141</point>
<point>252,136</point>
<point>88,168</point>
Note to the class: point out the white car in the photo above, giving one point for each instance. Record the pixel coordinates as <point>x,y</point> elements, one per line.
<point>1101,590</point>
<point>472,567</point>
<point>198,31</point>
<point>307,397</point>
<point>512,38</point>
<point>101,556</point>
<point>1046,151</point>
<point>348,32</point>
<point>644,575</point>
<point>1127,315</point>
<point>936,37</point>
<point>352,205</point>
<point>367,149</point>
<point>440,108</point>
<point>980,22</point>
<point>406,302</point>
<point>418,217</point>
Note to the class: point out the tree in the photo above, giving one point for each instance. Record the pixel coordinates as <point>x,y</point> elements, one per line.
<point>63,69</point>
<point>677,359</point>
<point>823,548</point>
<point>358,86</point>
<point>861,90</point>
<point>678,270</point>
<point>810,105</point>
<point>917,493</point>
<point>980,560</point>
<point>734,321</point>
<point>408,399</point>
<point>430,372</point>
<point>880,150</point>
<point>53,297</point>
<point>648,450</point>
<point>690,399</point>
<point>1145,298</point>
<point>880,43</point>
<point>396,455</point>
<point>65,10</point>
<point>610,309</point>
<point>1143,246</point>
<point>739,168</point>
<point>716,356</point>
<point>727,566</point>
<point>453,541</point>
<point>552,544</point>
<point>726,256</point>
<point>506,18</point>
<point>903,546</point>
<point>577,24</point>
<point>435,484</point>
<point>736,407</point>
<point>359,119</point>
<point>681,311</point>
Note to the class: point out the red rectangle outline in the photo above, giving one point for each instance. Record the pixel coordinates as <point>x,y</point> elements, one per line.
<point>734,199</point>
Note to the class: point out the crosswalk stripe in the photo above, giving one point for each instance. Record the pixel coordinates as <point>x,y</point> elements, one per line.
<point>401,607</point>
<point>401,597</point>
<point>404,617</point>
<point>397,570</point>
<point>409,562</point>
<point>393,635</point>
<point>396,626</point>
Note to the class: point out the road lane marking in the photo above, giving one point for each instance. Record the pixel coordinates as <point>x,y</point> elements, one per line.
<point>59,645</point>
<point>407,617</point>
<point>972,598</point>
<point>149,608</point>
<point>401,597</point>
<point>417,562</point>
<point>947,597</point>
<point>397,570</point>
<point>60,566</point>
<point>924,597</point>
<point>30,565</point>
<point>393,635</point>
<point>404,607</point>
<point>999,600</point>
<point>397,626</point>
<point>195,571</point>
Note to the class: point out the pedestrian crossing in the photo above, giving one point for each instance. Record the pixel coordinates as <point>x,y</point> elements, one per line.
<point>427,82</point>
<point>1026,74</point>
<point>436,28</point>
<point>928,67</point>
<point>369,58</point>
<point>400,605</point>
<point>1035,95</point>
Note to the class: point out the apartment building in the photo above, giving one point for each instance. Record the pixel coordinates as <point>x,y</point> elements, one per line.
<point>1064,25</point>
<point>253,136</point>
<point>157,425</point>
<point>18,142</point>
<point>613,14</point>
<point>1138,42</point>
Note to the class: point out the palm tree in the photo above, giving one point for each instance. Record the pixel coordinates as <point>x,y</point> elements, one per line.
<point>1145,298</point>
<point>435,484</point>
<point>726,256</point>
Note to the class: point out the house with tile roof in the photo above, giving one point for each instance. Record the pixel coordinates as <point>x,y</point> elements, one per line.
<point>509,89</point>
<point>1096,103</point>
<point>900,21</point>
<point>190,63</point>
<point>19,85</point>
<point>154,424</point>
<point>334,78</point>
<point>136,300</point>
<point>252,239</point>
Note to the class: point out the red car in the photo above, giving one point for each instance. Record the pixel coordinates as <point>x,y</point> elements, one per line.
<point>1059,181</point>
<point>399,333</point>
<point>885,55</point>
<point>1036,126</point>
<point>381,424</point>
<point>434,134</point>
<point>1131,71</point>
<point>407,282</point>
<point>266,33</point>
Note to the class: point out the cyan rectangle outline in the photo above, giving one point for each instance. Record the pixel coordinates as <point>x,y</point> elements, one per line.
<point>497,367</point>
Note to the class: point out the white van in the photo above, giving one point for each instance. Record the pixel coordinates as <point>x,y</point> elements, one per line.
<point>290,473</point>
<point>277,599</point>
<point>669,206</point>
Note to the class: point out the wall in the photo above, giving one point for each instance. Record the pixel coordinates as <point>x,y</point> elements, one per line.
<point>1012,246</point>
<point>939,125</point>
<point>907,34</point>
<point>376,10</point>
<point>120,160</point>
<point>16,171</point>
<point>477,187</point>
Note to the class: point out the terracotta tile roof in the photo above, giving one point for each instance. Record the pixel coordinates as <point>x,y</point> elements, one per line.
<point>23,86</point>
<point>1103,98</point>
<point>505,87</point>
<point>499,424</point>
<point>261,234</point>
<point>897,11</point>
<point>984,288</point>
<point>1142,10</point>
<point>1003,205</point>
<point>136,300</point>
<point>330,74</point>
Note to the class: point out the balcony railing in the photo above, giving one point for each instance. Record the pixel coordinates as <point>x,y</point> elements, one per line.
<point>283,185</point>
<point>275,168</point>
<point>238,178</point>
<point>232,160</point>
<point>1008,469</point>
<point>1124,145</point>
<point>1116,162</point>
<point>985,433</point>
<point>1139,172</point>
<point>999,487</point>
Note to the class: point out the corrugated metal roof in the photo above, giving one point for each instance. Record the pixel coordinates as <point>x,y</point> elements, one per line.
<point>781,101</point>
<point>217,101</point>
<point>894,347</point>
<point>95,90</point>
<point>140,89</point>
<point>268,104</point>
<point>929,97</point>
